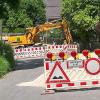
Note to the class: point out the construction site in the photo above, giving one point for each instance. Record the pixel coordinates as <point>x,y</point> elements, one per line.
<point>50,49</point>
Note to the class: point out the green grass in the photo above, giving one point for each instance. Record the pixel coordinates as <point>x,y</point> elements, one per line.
<point>8,54</point>
<point>7,61</point>
<point>4,66</point>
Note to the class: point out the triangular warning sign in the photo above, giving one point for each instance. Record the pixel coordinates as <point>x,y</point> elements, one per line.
<point>57,75</point>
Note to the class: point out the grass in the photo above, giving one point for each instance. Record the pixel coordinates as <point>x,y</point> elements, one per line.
<point>4,66</point>
<point>7,61</point>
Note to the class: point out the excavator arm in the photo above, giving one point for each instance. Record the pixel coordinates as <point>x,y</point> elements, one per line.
<point>68,37</point>
<point>33,31</point>
<point>31,35</point>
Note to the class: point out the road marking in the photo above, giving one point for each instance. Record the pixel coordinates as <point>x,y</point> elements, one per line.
<point>38,82</point>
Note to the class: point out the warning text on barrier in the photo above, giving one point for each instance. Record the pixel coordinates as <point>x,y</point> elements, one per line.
<point>75,63</point>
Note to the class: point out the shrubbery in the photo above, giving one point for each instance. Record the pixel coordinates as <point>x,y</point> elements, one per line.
<point>4,66</point>
<point>16,30</point>
<point>6,58</point>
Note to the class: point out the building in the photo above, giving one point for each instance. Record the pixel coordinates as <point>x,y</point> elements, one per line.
<point>53,9</point>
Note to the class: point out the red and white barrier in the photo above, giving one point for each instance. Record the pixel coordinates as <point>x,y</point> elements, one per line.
<point>69,48</point>
<point>32,52</point>
<point>72,72</point>
<point>57,48</point>
<point>40,52</point>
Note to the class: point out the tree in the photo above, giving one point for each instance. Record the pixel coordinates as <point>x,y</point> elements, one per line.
<point>29,13</point>
<point>36,11</point>
<point>3,11</point>
<point>12,4</point>
<point>17,19</point>
<point>82,16</point>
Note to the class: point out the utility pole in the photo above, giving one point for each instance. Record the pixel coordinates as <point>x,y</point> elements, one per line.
<point>0,29</point>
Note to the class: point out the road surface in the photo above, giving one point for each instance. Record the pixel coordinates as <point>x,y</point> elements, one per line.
<point>26,82</point>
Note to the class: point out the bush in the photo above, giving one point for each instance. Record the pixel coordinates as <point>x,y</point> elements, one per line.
<point>19,30</point>
<point>7,52</point>
<point>5,30</point>
<point>15,30</point>
<point>4,66</point>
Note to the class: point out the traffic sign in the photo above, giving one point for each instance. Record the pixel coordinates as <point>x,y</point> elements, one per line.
<point>57,74</point>
<point>75,63</point>
<point>92,66</point>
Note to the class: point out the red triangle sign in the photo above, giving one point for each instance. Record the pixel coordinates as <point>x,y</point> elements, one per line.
<point>57,75</point>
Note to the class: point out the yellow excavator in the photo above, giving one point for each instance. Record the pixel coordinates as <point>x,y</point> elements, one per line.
<point>31,35</point>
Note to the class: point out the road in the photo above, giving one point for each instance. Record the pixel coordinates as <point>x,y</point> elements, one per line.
<point>26,82</point>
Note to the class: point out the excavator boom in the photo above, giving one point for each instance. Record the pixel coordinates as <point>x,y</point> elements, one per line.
<point>31,33</point>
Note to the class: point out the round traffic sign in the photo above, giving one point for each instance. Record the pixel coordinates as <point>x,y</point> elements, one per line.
<point>92,66</point>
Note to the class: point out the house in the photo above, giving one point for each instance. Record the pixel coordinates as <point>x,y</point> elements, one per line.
<point>53,9</point>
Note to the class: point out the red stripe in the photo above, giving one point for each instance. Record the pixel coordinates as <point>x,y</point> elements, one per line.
<point>32,49</point>
<point>82,83</point>
<point>95,82</point>
<point>49,47</point>
<point>56,46</point>
<point>60,46</point>
<point>48,86</point>
<point>47,66</point>
<point>52,46</point>
<point>28,49</point>
<point>68,46</point>
<point>58,85</point>
<point>20,50</point>
<point>71,84</point>
<point>16,50</point>
<point>36,48</point>
<point>67,65</point>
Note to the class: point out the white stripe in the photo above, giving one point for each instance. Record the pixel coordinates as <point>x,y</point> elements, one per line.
<point>39,82</point>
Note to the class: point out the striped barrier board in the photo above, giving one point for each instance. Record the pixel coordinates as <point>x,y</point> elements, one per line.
<point>73,73</point>
<point>32,52</point>
<point>55,49</point>
<point>40,52</point>
<point>69,48</point>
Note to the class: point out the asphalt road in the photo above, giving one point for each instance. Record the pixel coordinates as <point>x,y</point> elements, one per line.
<point>26,83</point>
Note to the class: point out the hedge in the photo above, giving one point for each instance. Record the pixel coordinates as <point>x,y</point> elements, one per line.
<point>16,30</point>
<point>4,66</point>
<point>6,57</point>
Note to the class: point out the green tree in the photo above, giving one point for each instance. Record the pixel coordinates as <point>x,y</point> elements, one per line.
<point>17,18</point>
<point>12,4</point>
<point>36,11</point>
<point>29,13</point>
<point>82,15</point>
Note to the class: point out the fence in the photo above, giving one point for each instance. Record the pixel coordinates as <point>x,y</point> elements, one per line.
<point>39,52</point>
